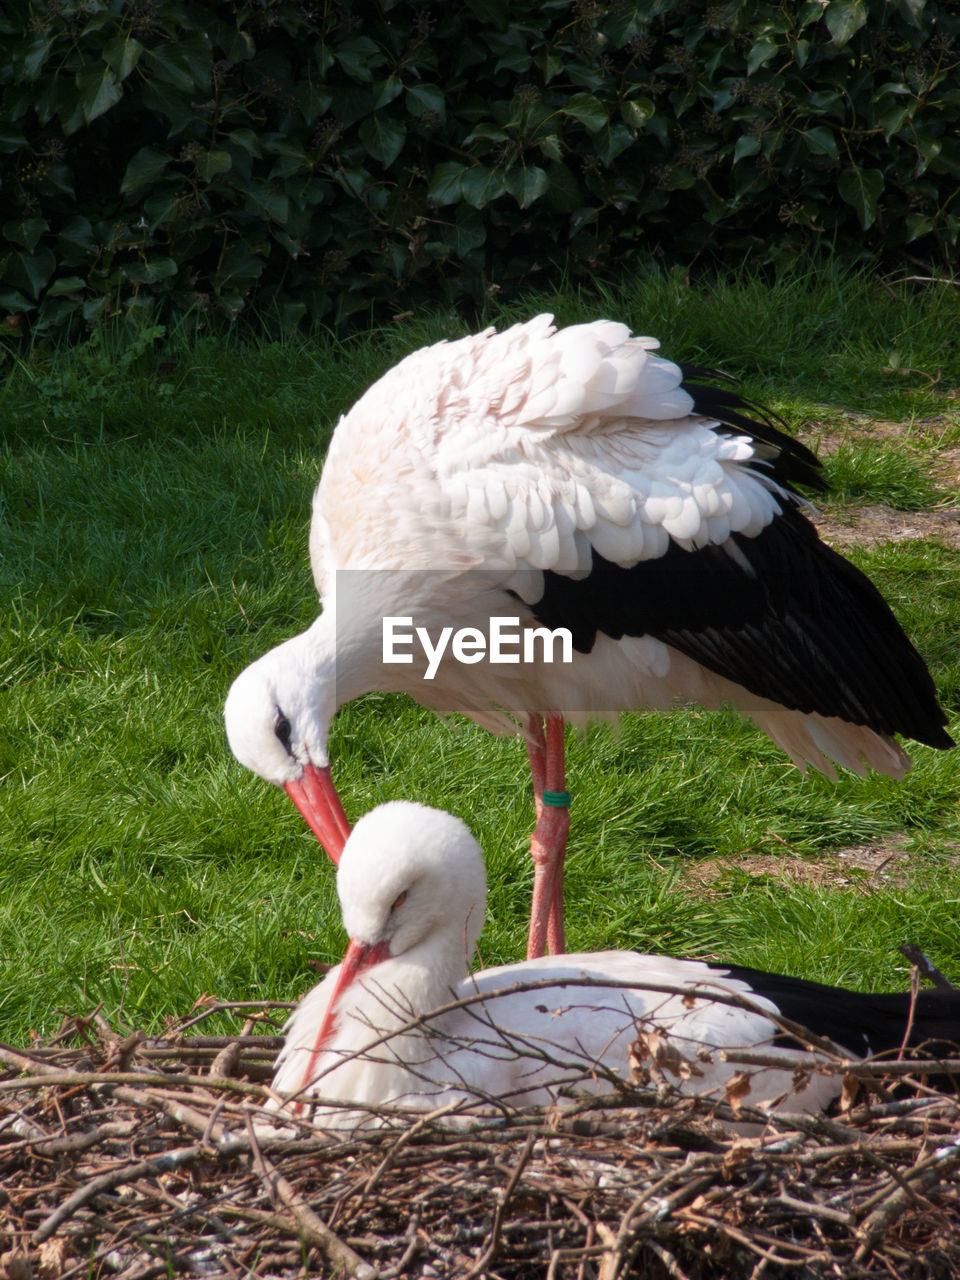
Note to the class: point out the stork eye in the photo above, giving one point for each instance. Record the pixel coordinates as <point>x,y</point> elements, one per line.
<point>400,900</point>
<point>281,727</point>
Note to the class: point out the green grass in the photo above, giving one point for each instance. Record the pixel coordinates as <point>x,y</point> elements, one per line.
<point>155,500</point>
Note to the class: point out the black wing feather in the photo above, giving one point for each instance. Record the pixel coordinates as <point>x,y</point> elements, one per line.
<point>791,462</point>
<point>780,614</point>
<point>784,617</point>
<point>863,1022</point>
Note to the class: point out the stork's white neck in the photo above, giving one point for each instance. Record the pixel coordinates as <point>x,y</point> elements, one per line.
<point>342,654</point>
<point>401,988</point>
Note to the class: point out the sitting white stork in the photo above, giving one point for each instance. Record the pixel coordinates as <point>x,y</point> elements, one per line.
<point>572,479</point>
<point>401,1023</point>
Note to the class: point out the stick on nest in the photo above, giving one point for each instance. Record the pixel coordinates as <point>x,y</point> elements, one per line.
<point>126,1156</point>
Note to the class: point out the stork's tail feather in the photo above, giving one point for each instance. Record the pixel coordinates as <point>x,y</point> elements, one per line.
<point>820,741</point>
<point>868,1023</point>
<point>791,462</point>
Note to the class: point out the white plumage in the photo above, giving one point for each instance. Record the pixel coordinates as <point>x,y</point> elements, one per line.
<point>524,449</point>
<point>379,1030</point>
<point>570,478</point>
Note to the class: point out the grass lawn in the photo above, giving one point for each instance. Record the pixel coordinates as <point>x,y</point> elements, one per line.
<point>153,524</point>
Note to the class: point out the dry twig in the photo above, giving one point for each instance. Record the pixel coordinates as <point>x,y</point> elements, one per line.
<point>164,1168</point>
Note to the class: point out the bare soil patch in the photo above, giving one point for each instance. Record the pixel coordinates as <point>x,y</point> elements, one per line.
<point>860,867</point>
<point>872,524</point>
<point>844,527</point>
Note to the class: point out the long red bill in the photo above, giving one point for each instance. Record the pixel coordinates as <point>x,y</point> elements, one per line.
<point>359,957</point>
<point>316,797</point>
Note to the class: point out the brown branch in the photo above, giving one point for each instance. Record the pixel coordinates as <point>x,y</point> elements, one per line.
<point>177,1159</point>
<point>496,1230</point>
<point>924,1175</point>
<point>337,1251</point>
<point>918,957</point>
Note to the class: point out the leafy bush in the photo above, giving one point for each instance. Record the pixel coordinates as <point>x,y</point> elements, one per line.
<point>162,157</point>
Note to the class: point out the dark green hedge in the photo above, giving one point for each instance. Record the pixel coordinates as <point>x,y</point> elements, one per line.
<point>328,159</point>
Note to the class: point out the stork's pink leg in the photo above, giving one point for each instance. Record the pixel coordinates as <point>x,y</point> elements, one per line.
<point>537,753</point>
<point>548,845</point>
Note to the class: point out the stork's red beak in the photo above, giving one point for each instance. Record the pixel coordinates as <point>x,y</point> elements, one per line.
<point>360,956</point>
<point>316,797</point>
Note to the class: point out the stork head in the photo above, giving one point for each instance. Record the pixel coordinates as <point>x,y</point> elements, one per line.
<point>277,715</point>
<point>411,874</point>
<point>412,888</point>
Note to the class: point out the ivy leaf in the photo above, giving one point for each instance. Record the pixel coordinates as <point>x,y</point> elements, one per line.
<point>446,186</point>
<point>489,132</point>
<point>32,270</point>
<point>313,100</point>
<point>912,10</point>
<point>359,57</point>
<point>426,99</point>
<point>565,193</point>
<point>11,138</point>
<point>467,233</point>
<point>238,267</point>
<point>636,112</point>
<point>550,64</point>
<point>810,11</point>
<point>143,170</point>
<point>210,163</point>
<point>58,179</point>
<point>247,140</point>
<point>383,138</point>
<point>862,189</point>
<point>678,178</point>
<point>918,224</point>
<point>516,60</point>
<point>844,19</point>
<point>894,87</point>
<point>151,271</point>
<point>893,119</point>
<point>158,208</point>
<point>495,12</point>
<point>526,184</point>
<point>761,50</point>
<point>928,148</point>
<point>99,90</point>
<point>611,141</point>
<point>33,55</point>
<point>164,100</point>
<point>481,185</point>
<point>14,300</point>
<point>748,144</point>
<point>291,157</point>
<point>77,233</point>
<point>171,68</point>
<point>27,232</point>
<point>122,53</point>
<point>385,92</point>
<point>589,110</point>
<point>274,204</point>
<point>820,141</point>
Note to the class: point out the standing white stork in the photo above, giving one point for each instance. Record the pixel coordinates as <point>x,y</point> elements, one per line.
<point>571,478</point>
<point>400,1022</point>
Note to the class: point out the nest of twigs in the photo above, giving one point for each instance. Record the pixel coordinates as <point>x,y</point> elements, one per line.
<point>133,1157</point>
